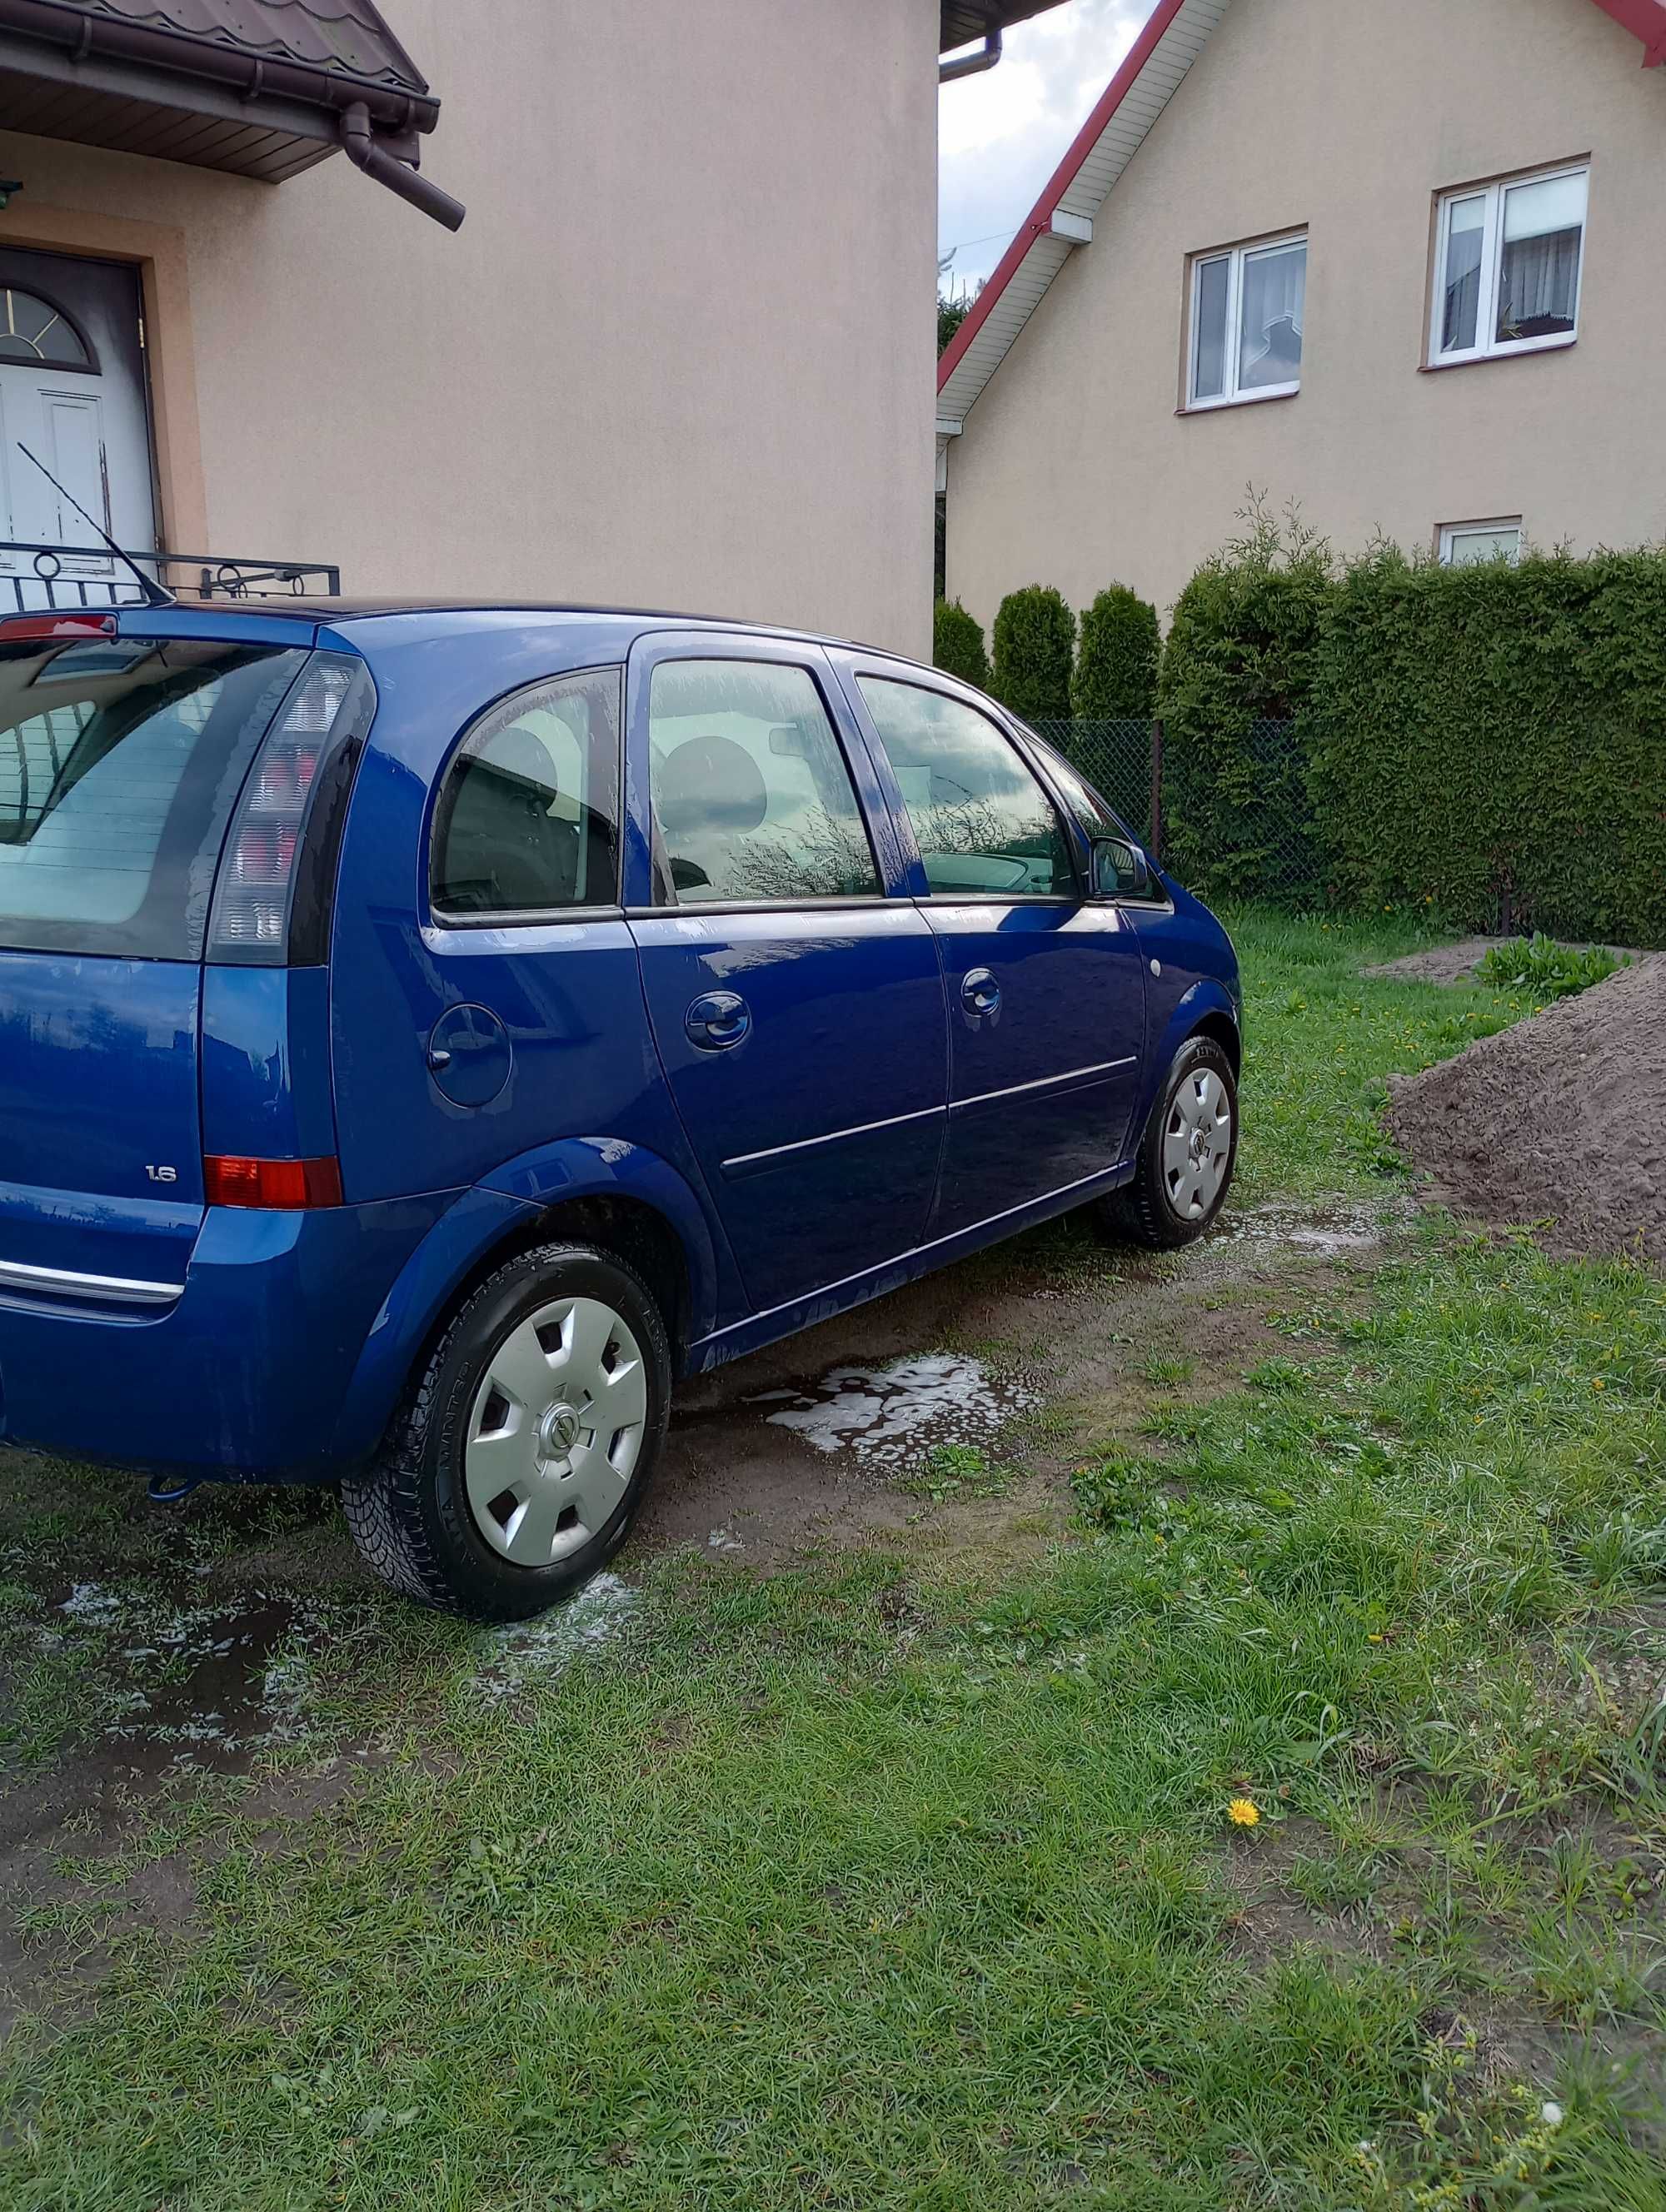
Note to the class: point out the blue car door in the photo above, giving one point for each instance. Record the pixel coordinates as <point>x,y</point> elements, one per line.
<point>793,985</point>
<point>1045,989</point>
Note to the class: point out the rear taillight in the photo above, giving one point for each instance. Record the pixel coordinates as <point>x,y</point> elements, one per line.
<point>254,897</point>
<point>278,1186</point>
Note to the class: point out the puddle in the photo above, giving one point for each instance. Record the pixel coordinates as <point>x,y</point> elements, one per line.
<point>1329,1233</point>
<point>890,1416</point>
<point>196,1686</point>
<point>530,1652</point>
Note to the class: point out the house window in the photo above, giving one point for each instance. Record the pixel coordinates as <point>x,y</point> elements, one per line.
<point>1463,545</point>
<point>1248,307</point>
<point>1508,259</point>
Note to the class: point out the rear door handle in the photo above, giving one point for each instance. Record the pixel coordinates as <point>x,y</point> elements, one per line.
<point>718,1021</point>
<point>980,995</point>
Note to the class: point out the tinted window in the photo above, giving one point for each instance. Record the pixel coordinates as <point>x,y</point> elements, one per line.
<point>983,825</point>
<point>121,762</point>
<point>528,821</point>
<point>751,796</point>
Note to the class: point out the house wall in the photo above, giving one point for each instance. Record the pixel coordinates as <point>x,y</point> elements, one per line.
<point>1346,117</point>
<point>680,354</point>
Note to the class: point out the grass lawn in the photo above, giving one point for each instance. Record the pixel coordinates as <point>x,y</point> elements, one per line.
<point>854,1887</point>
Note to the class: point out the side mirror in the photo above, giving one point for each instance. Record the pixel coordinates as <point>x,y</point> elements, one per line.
<point>1120,870</point>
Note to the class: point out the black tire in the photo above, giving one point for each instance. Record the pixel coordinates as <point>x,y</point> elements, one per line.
<point>1144,1212</point>
<point>409,1511</point>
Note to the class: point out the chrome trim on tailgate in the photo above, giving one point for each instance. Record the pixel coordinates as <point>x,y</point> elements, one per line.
<point>106,1289</point>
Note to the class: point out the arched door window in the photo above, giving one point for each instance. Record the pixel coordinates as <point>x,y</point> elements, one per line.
<point>35,333</point>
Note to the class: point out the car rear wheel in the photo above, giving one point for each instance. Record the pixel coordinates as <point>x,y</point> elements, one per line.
<point>521,1460</point>
<point>1187,1155</point>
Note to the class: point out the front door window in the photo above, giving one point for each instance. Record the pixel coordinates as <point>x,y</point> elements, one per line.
<point>984,826</point>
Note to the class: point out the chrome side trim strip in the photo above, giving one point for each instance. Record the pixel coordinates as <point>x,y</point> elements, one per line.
<point>749,1163</point>
<point>1043,1083</point>
<point>105,1290</point>
<point>1101,1177</point>
<point>746,1162</point>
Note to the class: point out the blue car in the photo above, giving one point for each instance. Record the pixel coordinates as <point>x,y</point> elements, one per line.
<point>428,1033</point>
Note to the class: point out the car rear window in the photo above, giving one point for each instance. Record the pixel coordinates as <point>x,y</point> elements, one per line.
<point>121,762</point>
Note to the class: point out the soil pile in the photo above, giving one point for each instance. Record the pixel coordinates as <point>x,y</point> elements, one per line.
<point>1561,1119</point>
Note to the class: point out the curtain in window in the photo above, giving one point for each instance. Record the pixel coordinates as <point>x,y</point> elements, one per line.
<point>1543,224</point>
<point>1466,235</point>
<point>1274,304</point>
<point>1540,285</point>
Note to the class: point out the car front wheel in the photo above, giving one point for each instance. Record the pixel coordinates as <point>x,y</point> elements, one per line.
<point>1187,1155</point>
<point>521,1459</point>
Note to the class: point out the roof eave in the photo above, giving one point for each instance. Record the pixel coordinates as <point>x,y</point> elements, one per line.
<point>130,88</point>
<point>963,22</point>
<point>1644,20</point>
<point>85,39</point>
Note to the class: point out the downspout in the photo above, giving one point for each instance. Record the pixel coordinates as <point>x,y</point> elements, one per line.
<point>359,142</point>
<point>972,64</point>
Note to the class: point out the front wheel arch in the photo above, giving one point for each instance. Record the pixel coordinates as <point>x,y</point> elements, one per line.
<point>1141,1211</point>
<point>1224,1032</point>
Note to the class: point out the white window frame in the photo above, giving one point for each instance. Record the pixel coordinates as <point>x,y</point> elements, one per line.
<point>1451,532</point>
<point>1488,345</point>
<point>1235,257</point>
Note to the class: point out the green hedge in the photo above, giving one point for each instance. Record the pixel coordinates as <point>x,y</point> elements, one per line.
<point>1035,646</point>
<point>1491,741</point>
<point>1117,660</point>
<point>1235,684</point>
<point>958,646</point>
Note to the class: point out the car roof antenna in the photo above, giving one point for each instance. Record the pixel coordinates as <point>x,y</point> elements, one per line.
<point>156,594</point>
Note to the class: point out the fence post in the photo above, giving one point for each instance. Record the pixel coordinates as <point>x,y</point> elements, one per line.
<point>1156,790</point>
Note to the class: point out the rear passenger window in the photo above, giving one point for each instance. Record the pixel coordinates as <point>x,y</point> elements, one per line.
<point>751,797</point>
<point>984,826</point>
<point>528,820</point>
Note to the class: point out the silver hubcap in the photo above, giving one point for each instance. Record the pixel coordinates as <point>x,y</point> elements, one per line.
<point>1197,1143</point>
<point>555,1432</point>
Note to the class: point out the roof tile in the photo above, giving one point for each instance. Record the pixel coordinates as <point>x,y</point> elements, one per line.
<point>349,37</point>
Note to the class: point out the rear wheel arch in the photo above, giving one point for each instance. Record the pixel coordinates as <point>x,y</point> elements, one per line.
<point>639,1233</point>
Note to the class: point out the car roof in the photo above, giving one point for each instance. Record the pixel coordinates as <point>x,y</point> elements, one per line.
<point>280,607</point>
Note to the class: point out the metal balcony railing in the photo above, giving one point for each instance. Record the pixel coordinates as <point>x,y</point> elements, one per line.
<point>41,578</point>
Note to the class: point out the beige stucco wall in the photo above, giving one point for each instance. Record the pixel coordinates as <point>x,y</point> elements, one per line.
<point>680,354</point>
<point>1346,117</point>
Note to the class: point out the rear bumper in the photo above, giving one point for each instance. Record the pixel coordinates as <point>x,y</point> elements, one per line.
<point>281,1360</point>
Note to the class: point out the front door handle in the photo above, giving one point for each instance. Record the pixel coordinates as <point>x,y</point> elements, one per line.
<point>718,1021</point>
<point>980,996</point>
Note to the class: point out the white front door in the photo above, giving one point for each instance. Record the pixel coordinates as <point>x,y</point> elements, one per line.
<point>72,391</point>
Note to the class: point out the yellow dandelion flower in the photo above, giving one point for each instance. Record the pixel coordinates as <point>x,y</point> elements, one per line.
<point>1244,1813</point>
<point>1597,1383</point>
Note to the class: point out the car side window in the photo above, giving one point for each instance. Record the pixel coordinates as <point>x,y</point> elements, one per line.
<point>528,820</point>
<point>750,795</point>
<point>1096,816</point>
<point>984,826</point>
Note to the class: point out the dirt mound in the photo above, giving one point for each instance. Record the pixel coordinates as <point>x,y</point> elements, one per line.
<point>1456,963</point>
<point>1561,1119</point>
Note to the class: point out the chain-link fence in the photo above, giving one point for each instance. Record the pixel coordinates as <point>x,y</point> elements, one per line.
<point>1237,827</point>
<point>1124,762</point>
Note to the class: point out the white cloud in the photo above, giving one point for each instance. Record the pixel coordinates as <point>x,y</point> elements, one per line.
<point>1000,135</point>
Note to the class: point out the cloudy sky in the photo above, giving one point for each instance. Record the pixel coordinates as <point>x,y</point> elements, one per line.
<point>1001,134</point>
